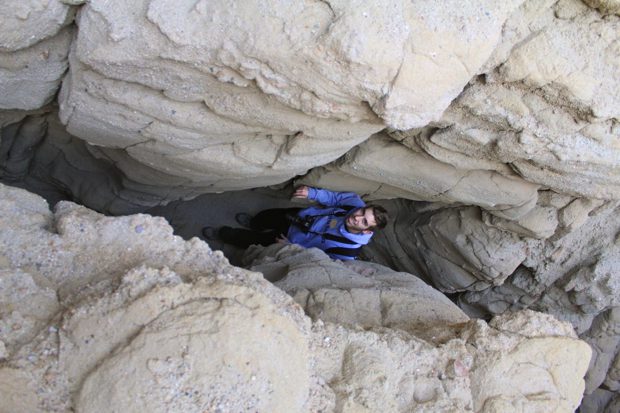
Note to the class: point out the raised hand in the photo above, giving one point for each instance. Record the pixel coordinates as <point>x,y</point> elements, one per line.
<point>301,192</point>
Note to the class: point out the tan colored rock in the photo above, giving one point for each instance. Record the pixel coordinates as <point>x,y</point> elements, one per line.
<point>445,51</point>
<point>183,330</point>
<point>30,77</point>
<point>18,392</point>
<point>537,357</point>
<point>216,148</point>
<point>389,370</point>
<point>576,213</point>
<point>26,305</point>
<point>400,373</point>
<point>214,352</point>
<point>34,46</point>
<point>109,298</point>
<point>381,159</point>
<point>25,23</point>
<point>541,222</point>
<point>330,176</point>
<point>354,293</point>
<point>571,58</point>
<point>247,113</point>
<point>606,6</point>
<point>548,108</point>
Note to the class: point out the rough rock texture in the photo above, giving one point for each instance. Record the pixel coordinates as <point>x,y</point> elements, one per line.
<point>544,111</point>
<point>26,23</point>
<point>30,78</point>
<point>549,109</point>
<point>411,173</point>
<point>37,152</point>
<point>259,92</point>
<point>121,303</point>
<point>186,98</point>
<point>33,51</point>
<point>353,292</point>
<point>502,117</point>
<point>605,6</point>
<point>571,272</point>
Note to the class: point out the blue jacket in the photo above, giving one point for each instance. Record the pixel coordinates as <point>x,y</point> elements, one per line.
<point>329,224</point>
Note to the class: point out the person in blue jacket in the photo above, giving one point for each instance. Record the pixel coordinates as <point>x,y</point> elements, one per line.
<point>340,225</point>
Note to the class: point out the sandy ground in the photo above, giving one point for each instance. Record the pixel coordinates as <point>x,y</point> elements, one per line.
<point>215,210</point>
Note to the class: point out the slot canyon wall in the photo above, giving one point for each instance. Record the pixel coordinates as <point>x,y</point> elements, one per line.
<point>490,130</point>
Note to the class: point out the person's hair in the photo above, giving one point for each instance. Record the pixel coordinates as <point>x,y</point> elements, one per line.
<point>381,216</point>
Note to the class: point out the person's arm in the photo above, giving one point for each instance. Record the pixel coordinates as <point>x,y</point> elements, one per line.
<point>329,198</point>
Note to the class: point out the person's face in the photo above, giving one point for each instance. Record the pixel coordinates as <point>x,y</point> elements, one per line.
<point>360,220</point>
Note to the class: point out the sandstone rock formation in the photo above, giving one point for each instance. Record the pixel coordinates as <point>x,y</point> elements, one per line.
<point>121,303</point>
<point>34,45</point>
<point>492,126</point>
<point>571,274</point>
<point>358,293</point>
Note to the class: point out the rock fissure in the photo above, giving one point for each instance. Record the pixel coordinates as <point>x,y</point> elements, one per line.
<point>494,151</point>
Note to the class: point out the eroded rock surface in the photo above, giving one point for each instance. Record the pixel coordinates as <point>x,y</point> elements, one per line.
<point>326,86</point>
<point>120,303</point>
<point>354,292</point>
<point>502,117</point>
<point>34,48</point>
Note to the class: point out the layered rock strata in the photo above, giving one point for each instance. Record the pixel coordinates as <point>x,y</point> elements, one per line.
<point>308,85</point>
<point>34,48</point>
<point>192,98</point>
<point>571,272</point>
<point>501,116</point>
<point>120,303</point>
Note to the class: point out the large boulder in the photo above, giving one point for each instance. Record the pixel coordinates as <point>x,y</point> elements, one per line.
<point>123,315</point>
<point>386,168</point>
<point>355,293</point>
<point>34,46</point>
<point>231,97</point>
<point>549,109</point>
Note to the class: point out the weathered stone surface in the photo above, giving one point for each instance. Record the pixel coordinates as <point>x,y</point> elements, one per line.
<point>509,101</point>
<point>604,338</point>
<point>411,173</point>
<point>25,23</point>
<point>34,46</point>
<point>296,106</point>
<point>37,150</point>
<point>101,271</point>
<point>142,313</point>
<point>537,357</point>
<point>355,293</point>
<point>606,6</point>
<point>182,107</point>
<point>26,305</point>
<point>571,275</point>
<point>541,222</point>
<point>30,77</point>
<point>452,248</point>
<point>549,108</point>
<point>399,373</point>
<point>217,350</point>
